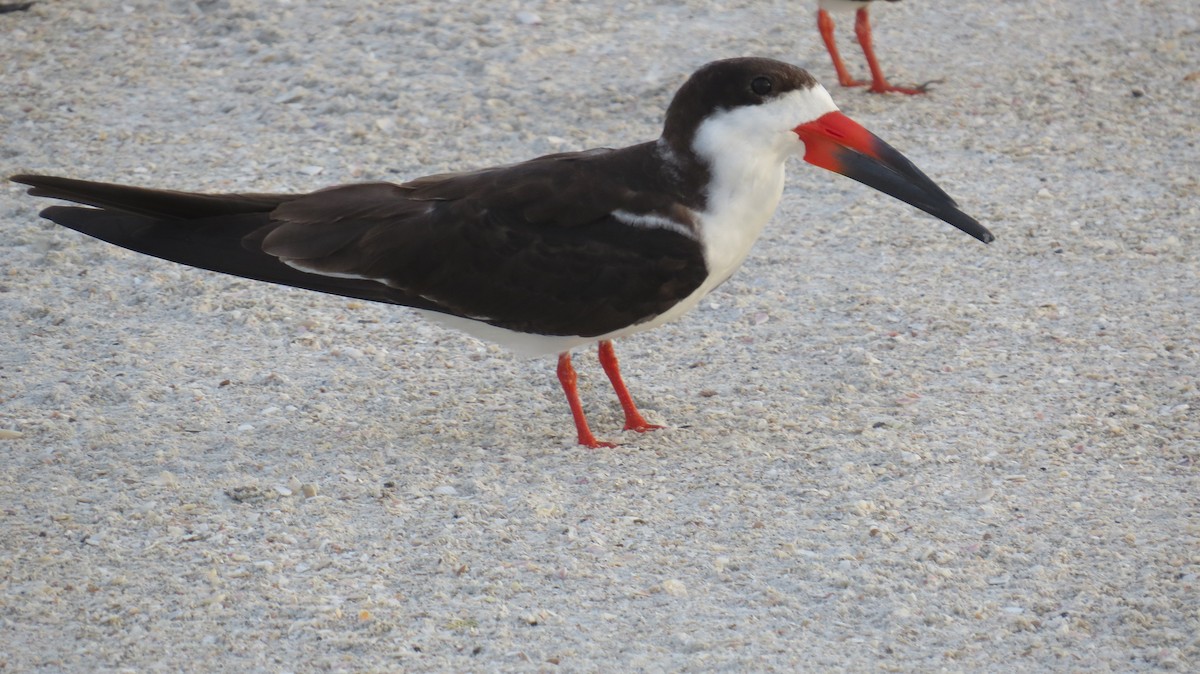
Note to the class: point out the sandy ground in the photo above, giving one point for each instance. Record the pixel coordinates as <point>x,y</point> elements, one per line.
<point>890,448</point>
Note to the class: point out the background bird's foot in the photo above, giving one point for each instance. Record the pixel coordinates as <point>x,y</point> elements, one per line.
<point>885,88</point>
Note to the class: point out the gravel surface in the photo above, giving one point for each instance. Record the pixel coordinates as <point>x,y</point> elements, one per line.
<point>889,447</point>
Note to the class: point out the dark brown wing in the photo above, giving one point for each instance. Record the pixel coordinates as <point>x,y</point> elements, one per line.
<point>531,247</point>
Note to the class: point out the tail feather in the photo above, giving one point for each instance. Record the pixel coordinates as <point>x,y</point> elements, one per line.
<point>151,202</point>
<point>215,244</point>
<point>216,232</point>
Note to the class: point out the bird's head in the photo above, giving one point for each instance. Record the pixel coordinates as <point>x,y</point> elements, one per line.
<point>767,109</point>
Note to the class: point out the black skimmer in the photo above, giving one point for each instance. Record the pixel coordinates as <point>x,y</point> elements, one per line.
<point>545,255</point>
<point>862,29</point>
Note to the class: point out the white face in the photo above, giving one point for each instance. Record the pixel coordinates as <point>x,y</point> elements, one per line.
<point>746,148</point>
<point>762,131</point>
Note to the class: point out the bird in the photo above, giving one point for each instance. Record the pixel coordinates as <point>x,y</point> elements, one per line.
<point>862,29</point>
<point>544,255</point>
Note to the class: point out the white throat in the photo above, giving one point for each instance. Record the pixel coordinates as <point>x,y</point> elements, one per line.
<point>746,149</point>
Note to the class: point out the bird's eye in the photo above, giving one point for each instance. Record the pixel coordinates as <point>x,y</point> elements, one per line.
<point>761,86</point>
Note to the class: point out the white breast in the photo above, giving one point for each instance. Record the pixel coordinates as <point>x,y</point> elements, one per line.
<point>746,149</point>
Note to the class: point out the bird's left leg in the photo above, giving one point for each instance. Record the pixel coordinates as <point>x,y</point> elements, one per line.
<point>568,379</point>
<point>633,418</point>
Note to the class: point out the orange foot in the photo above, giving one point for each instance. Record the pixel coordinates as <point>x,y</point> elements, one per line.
<point>641,426</point>
<point>593,443</point>
<point>883,87</point>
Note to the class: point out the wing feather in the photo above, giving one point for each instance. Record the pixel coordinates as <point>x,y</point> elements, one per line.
<point>531,247</point>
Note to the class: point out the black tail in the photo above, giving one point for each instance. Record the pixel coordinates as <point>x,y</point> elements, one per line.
<point>148,202</point>
<point>217,232</point>
<point>201,230</point>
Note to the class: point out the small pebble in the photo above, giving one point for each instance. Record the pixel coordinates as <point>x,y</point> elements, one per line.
<point>674,587</point>
<point>290,96</point>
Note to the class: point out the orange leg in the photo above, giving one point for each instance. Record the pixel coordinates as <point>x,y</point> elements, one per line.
<point>825,24</point>
<point>879,84</point>
<point>568,379</point>
<point>633,418</point>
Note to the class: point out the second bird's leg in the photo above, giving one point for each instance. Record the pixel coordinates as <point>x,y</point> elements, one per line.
<point>879,84</point>
<point>825,24</point>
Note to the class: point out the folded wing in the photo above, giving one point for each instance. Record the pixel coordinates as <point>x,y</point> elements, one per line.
<point>480,245</point>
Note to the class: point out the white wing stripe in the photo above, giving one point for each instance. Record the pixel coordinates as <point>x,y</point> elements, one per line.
<point>651,221</point>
